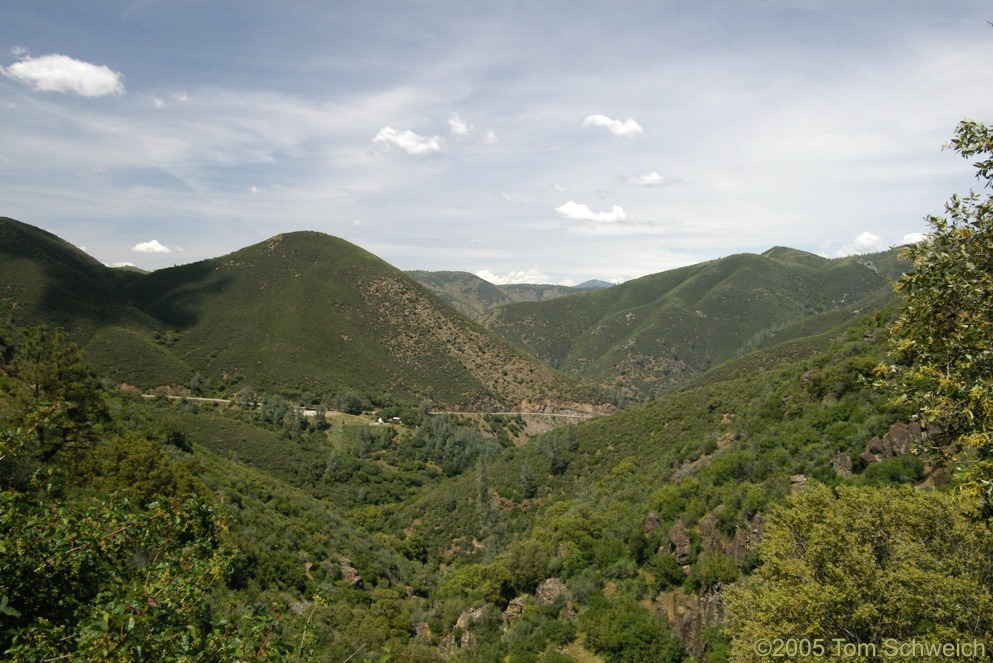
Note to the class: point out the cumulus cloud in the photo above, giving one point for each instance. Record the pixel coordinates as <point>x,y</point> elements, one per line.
<point>649,179</point>
<point>462,129</point>
<point>626,129</point>
<point>409,142</point>
<point>866,242</point>
<point>154,246</point>
<point>523,276</point>
<point>580,212</point>
<point>913,238</point>
<point>61,73</point>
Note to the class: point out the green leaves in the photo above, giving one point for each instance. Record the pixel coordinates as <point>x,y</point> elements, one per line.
<point>942,343</point>
<point>866,565</point>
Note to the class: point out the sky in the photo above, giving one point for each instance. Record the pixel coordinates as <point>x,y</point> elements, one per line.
<point>542,141</point>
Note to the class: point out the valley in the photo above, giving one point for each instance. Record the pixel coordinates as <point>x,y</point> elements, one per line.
<point>364,464</point>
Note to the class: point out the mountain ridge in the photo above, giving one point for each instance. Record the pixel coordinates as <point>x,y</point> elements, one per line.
<point>662,328</point>
<point>303,312</point>
<point>329,315</point>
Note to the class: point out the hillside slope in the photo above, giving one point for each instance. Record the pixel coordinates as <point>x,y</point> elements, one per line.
<point>305,310</point>
<point>654,332</point>
<point>301,312</point>
<point>43,278</point>
<point>477,298</point>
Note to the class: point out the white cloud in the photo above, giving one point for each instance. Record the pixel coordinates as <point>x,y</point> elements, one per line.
<point>523,276</point>
<point>580,212</point>
<point>61,73</point>
<point>153,246</point>
<point>462,129</point>
<point>649,179</point>
<point>488,137</point>
<point>913,238</point>
<point>866,242</point>
<point>458,125</point>
<point>626,129</point>
<point>409,142</point>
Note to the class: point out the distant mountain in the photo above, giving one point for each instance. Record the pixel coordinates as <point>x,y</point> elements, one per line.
<point>593,284</point>
<point>477,298</point>
<point>309,312</point>
<point>648,334</point>
<point>299,312</point>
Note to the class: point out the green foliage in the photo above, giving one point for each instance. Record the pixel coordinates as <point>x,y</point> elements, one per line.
<point>943,339</point>
<point>666,570</point>
<point>648,335</point>
<point>711,570</point>
<point>867,564</point>
<point>623,631</point>
<point>137,468</point>
<point>106,581</point>
<point>902,469</point>
<point>50,388</point>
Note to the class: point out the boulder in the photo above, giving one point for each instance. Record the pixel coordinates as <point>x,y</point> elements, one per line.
<point>842,464</point>
<point>652,522</point>
<point>515,608</point>
<point>679,544</point>
<point>550,590</point>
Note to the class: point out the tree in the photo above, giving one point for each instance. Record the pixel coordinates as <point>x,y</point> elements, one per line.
<point>52,388</point>
<point>865,566</point>
<point>623,631</point>
<point>104,580</point>
<point>942,342</point>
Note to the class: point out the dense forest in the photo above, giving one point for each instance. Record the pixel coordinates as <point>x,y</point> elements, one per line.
<point>820,489</point>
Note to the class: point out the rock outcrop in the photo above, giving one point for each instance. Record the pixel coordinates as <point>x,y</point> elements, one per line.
<point>679,544</point>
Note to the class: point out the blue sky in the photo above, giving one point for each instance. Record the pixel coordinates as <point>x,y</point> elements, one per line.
<point>524,141</point>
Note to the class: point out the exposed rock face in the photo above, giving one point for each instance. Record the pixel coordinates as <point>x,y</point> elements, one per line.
<point>740,546</point>
<point>349,572</point>
<point>900,439</point>
<point>515,609</point>
<point>679,544</point>
<point>461,637</point>
<point>689,614</point>
<point>652,522</point>
<point>798,482</point>
<point>747,538</point>
<point>550,590</point>
<point>842,464</point>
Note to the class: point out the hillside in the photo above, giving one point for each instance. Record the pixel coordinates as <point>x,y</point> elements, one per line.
<point>43,278</point>
<point>477,298</point>
<point>654,332</point>
<point>301,312</point>
<point>407,535</point>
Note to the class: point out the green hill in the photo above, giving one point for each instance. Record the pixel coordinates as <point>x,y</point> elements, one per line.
<point>301,312</point>
<point>435,537</point>
<point>654,332</point>
<point>477,298</point>
<point>307,311</point>
<point>46,279</point>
